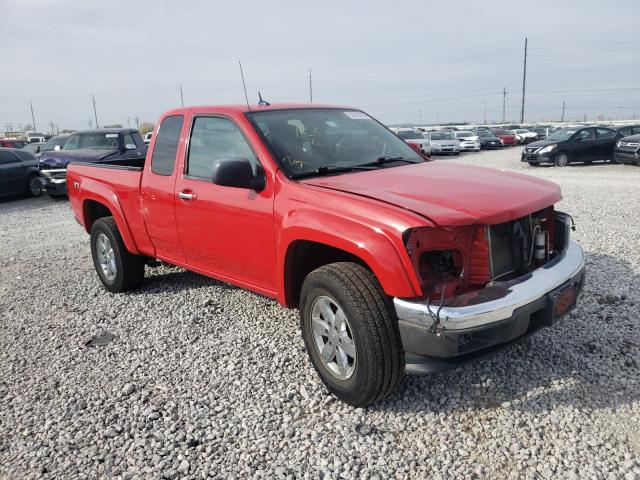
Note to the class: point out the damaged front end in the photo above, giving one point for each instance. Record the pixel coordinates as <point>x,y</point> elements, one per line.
<point>485,286</point>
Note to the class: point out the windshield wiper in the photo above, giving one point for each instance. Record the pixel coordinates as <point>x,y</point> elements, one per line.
<point>327,169</point>
<point>386,159</point>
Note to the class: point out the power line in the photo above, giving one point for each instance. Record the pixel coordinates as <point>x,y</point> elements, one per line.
<point>504,102</point>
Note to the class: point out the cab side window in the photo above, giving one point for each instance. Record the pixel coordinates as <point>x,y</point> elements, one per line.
<point>215,138</point>
<point>584,135</point>
<point>604,133</point>
<point>8,157</point>
<point>164,152</point>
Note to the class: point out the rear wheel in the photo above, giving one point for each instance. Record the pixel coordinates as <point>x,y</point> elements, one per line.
<point>350,333</point>
<point>34,186</point>
<point>118,269</point>
<point>562,159</point>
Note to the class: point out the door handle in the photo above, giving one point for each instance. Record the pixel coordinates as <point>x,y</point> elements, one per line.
<point>186,196</point>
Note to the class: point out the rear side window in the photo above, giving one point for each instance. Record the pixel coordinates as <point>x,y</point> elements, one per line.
<point>8,157</point>
<point>605,133</point>
<point>213,138</point>
<point>166,146</point>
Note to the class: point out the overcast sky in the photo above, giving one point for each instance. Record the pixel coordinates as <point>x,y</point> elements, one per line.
<point>393,59</point>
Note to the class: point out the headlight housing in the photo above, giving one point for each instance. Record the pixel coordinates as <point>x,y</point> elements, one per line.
<point>548,148</point>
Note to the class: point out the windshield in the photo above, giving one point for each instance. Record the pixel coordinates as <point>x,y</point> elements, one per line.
<point>305,140</point>
<point>464,134</point>
<point>441,136</point>
<point>410,135</point>
<point>92,141</point>
<point>561,135</point>
<point>54,142</point>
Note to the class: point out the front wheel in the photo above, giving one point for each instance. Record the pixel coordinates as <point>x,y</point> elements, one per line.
<point>117,268</point>
<point>350,333</point>
<point>562,159</point>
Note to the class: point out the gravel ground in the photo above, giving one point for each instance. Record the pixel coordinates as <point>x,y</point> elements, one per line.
<point>206,379</point>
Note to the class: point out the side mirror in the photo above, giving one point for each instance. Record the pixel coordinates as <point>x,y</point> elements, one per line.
<point>238,173</point>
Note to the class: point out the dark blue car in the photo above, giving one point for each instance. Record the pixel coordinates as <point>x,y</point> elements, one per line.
<point>18,173</point>
<point>108,145</point>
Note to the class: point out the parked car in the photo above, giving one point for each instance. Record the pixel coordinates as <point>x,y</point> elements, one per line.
<point>525,136</point>
<point>109,145</point>
<point>416,139</point>
<point>147,138</point>
<point>468,141</point>
<point>570,145</point>
<point>628,150</point>
<point>507,138</point>
<point>12,143</point>
<point>18,173</point>
<point>33,148</point>
<point>444,142</point>
<point>37,139</point>
<point>488,140</point>
<point>628,130</point>
<point>541,132</point>
<point>395,263</point>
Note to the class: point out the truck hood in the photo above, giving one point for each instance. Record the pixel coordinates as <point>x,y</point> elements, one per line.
<point>61,158</point>
<point>449,194</point>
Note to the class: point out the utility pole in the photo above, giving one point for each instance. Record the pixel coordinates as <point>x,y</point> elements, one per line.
<point>137,123</point>
<point>90,124</point>
<point>52,130</point>
<point>485,112</point>
<point>33,118</point>
<point>310,88</point>
<point>181,97</point>
<point>420,114</point>
<point>95,113</point>
<point>562,119</point>
<point>585,117</point>
<point>504,101</point>
<point>128,122</point>
<point>524,80</point>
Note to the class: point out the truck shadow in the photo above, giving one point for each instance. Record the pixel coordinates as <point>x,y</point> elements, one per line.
<point>589,360</point>
<point>159,279</point>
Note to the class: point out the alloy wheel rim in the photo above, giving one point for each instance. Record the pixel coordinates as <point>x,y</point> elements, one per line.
<point>562,159</point>
<point>35,186</point>
<point>106,257</point>
<point>333,337</point>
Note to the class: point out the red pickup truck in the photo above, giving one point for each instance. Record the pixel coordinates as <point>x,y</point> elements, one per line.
<point>396,263</point>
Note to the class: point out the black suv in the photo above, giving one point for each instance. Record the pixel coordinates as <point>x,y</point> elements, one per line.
<point>628,150</point>
<point>568,145</point>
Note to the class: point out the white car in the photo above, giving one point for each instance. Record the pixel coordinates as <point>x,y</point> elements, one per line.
<point>415,137</point>
<point>147,138</point>
<point>444,142</point>
<point>469,142</point>
<point>525,136</point>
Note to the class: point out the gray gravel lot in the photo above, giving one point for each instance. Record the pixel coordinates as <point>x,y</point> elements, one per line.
<point>207,379</point>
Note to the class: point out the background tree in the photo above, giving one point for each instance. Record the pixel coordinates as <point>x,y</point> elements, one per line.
<point>146,127</point>
<point>27,128</point>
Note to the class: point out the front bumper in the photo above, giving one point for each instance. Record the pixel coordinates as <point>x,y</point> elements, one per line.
<point>470,147</point>
<point>436,150</point>
<point>479,323</point>
<point>537,158</point>
<point>627,157</point>
<point>54,181</point>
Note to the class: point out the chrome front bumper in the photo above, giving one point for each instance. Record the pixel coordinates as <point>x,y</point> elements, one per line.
<point>498,300</point>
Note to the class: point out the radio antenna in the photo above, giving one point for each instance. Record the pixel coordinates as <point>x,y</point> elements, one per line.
<point>244,86</point>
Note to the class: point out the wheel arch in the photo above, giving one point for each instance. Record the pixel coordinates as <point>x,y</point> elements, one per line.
<point>96,206</point>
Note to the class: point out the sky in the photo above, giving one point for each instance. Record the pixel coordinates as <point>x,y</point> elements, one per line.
<point>399,61</point>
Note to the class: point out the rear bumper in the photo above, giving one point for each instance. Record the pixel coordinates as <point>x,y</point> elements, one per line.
<point>480,323</point>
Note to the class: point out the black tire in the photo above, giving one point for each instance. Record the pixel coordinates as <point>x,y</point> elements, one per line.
<point>379,363</point>
<point>562,159</point>
<point>34,186</point>
<point>129,268</point>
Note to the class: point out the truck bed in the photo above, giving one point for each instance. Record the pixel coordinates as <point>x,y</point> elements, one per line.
<point>118,181</point>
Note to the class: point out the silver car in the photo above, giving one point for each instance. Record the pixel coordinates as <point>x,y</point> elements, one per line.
<point>444,143</point>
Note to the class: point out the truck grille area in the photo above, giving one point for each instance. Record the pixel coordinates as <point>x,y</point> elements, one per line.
<point>511,244</point>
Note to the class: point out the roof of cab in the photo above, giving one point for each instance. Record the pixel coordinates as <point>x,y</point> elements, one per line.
<point>229,109</point>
